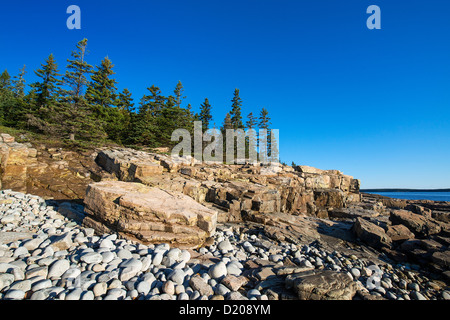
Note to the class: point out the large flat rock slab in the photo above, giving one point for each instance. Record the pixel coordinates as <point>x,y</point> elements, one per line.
<point>150,214</point>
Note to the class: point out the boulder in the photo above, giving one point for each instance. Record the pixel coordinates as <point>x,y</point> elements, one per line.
<point>420,225</point>
<point>322,285</point>
<point>399,233</point>
<point>371,234</point>
<point>129,165</point>
<point>441,258</point>
<point>149,214</point>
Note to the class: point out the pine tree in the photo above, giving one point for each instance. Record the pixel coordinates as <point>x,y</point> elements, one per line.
<point>251,122</point>
<point>264,123</point>
<point>125,106</point>
<point>251,140</point>
<point>236,118</point>
<point>5,96</point>
<point>78,120</point>
<point>144,123</point>
<point>264,120</point>
<point>227,123</point>
<point>76,72</point>
<point>44,97</point>
<point>47,91</point>
<point>101,91</point>
<point>13,104</point>
<point>205,114</point>
<point>179,94</point>
<point>152,103</point>
<point>18,83</point>
<point>125,101</point>
<point>101,97</point>
<point>5,82</point>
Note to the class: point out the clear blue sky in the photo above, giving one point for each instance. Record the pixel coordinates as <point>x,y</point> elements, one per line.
<point>371,103</point>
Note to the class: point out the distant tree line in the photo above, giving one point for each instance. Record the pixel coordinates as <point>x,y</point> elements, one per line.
<point>84,104</point>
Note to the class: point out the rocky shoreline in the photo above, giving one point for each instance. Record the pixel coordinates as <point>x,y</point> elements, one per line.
<point>45,255</point>
<point>121,224</point>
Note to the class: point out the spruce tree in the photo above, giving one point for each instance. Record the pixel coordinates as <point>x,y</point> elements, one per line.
<point>101,97</point>
<point>251,122</point>
<point>18,84</point>
<point>78,120</point>
<point>44,97</point>
<point>251,140</point>
<point>236,117</point>
<point>101,91</point>
<point>5,96</point>
<point>179,94</point>
<point>125,101</point>
<point>5,82</point>
<point>13,104</point>
<point>125,106</point>
<point>47,91</point>
<point>205,114</point>
<point>227,123</point>
<point>76,72</point>
<point>144,124</point>
<point>264,123</point>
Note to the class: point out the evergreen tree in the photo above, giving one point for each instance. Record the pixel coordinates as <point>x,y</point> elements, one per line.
<point>5,87</point>
<point>76,72</point>
<point>44,97</point>
<point>5,95</point>
<point>264,123</point>
<point>101,91</point>
<point>236,118</point>
<point>5,82</point>
<point>144,124</point>
<point>18,83</point>
<point>47,91</point>
<point>227,123</point>
<point>125,106</point>
<point>205,114</point>
<point>152,103</point>
<point>251,140</point>
<point>125,101</point>
<point>12,100</point>
<point>251,122</point>
<point>101,96</point>
<point>264,120</point>
<point>179,94</point>
<point>78,120</point>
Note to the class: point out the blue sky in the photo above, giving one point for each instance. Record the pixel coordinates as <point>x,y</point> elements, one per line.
<point>371,103</point>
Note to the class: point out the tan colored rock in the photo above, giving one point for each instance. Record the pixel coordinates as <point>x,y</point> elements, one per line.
<point>150,214</point>
<point>418,224</point>
<point>235,189</point>
<point>332,198</point>
<point>6,138</point>
<point>234,283</point>
<point>371,234</point>
<point>129,165</point>
<point>308,169</point>
<point>322,285</point>
<point>199,284</point>
<point>399,232</point>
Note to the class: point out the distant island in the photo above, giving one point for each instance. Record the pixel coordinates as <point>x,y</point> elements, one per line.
<point>405,190</point>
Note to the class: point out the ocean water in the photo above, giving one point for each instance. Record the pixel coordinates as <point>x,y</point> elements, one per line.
<point>423,195</point>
